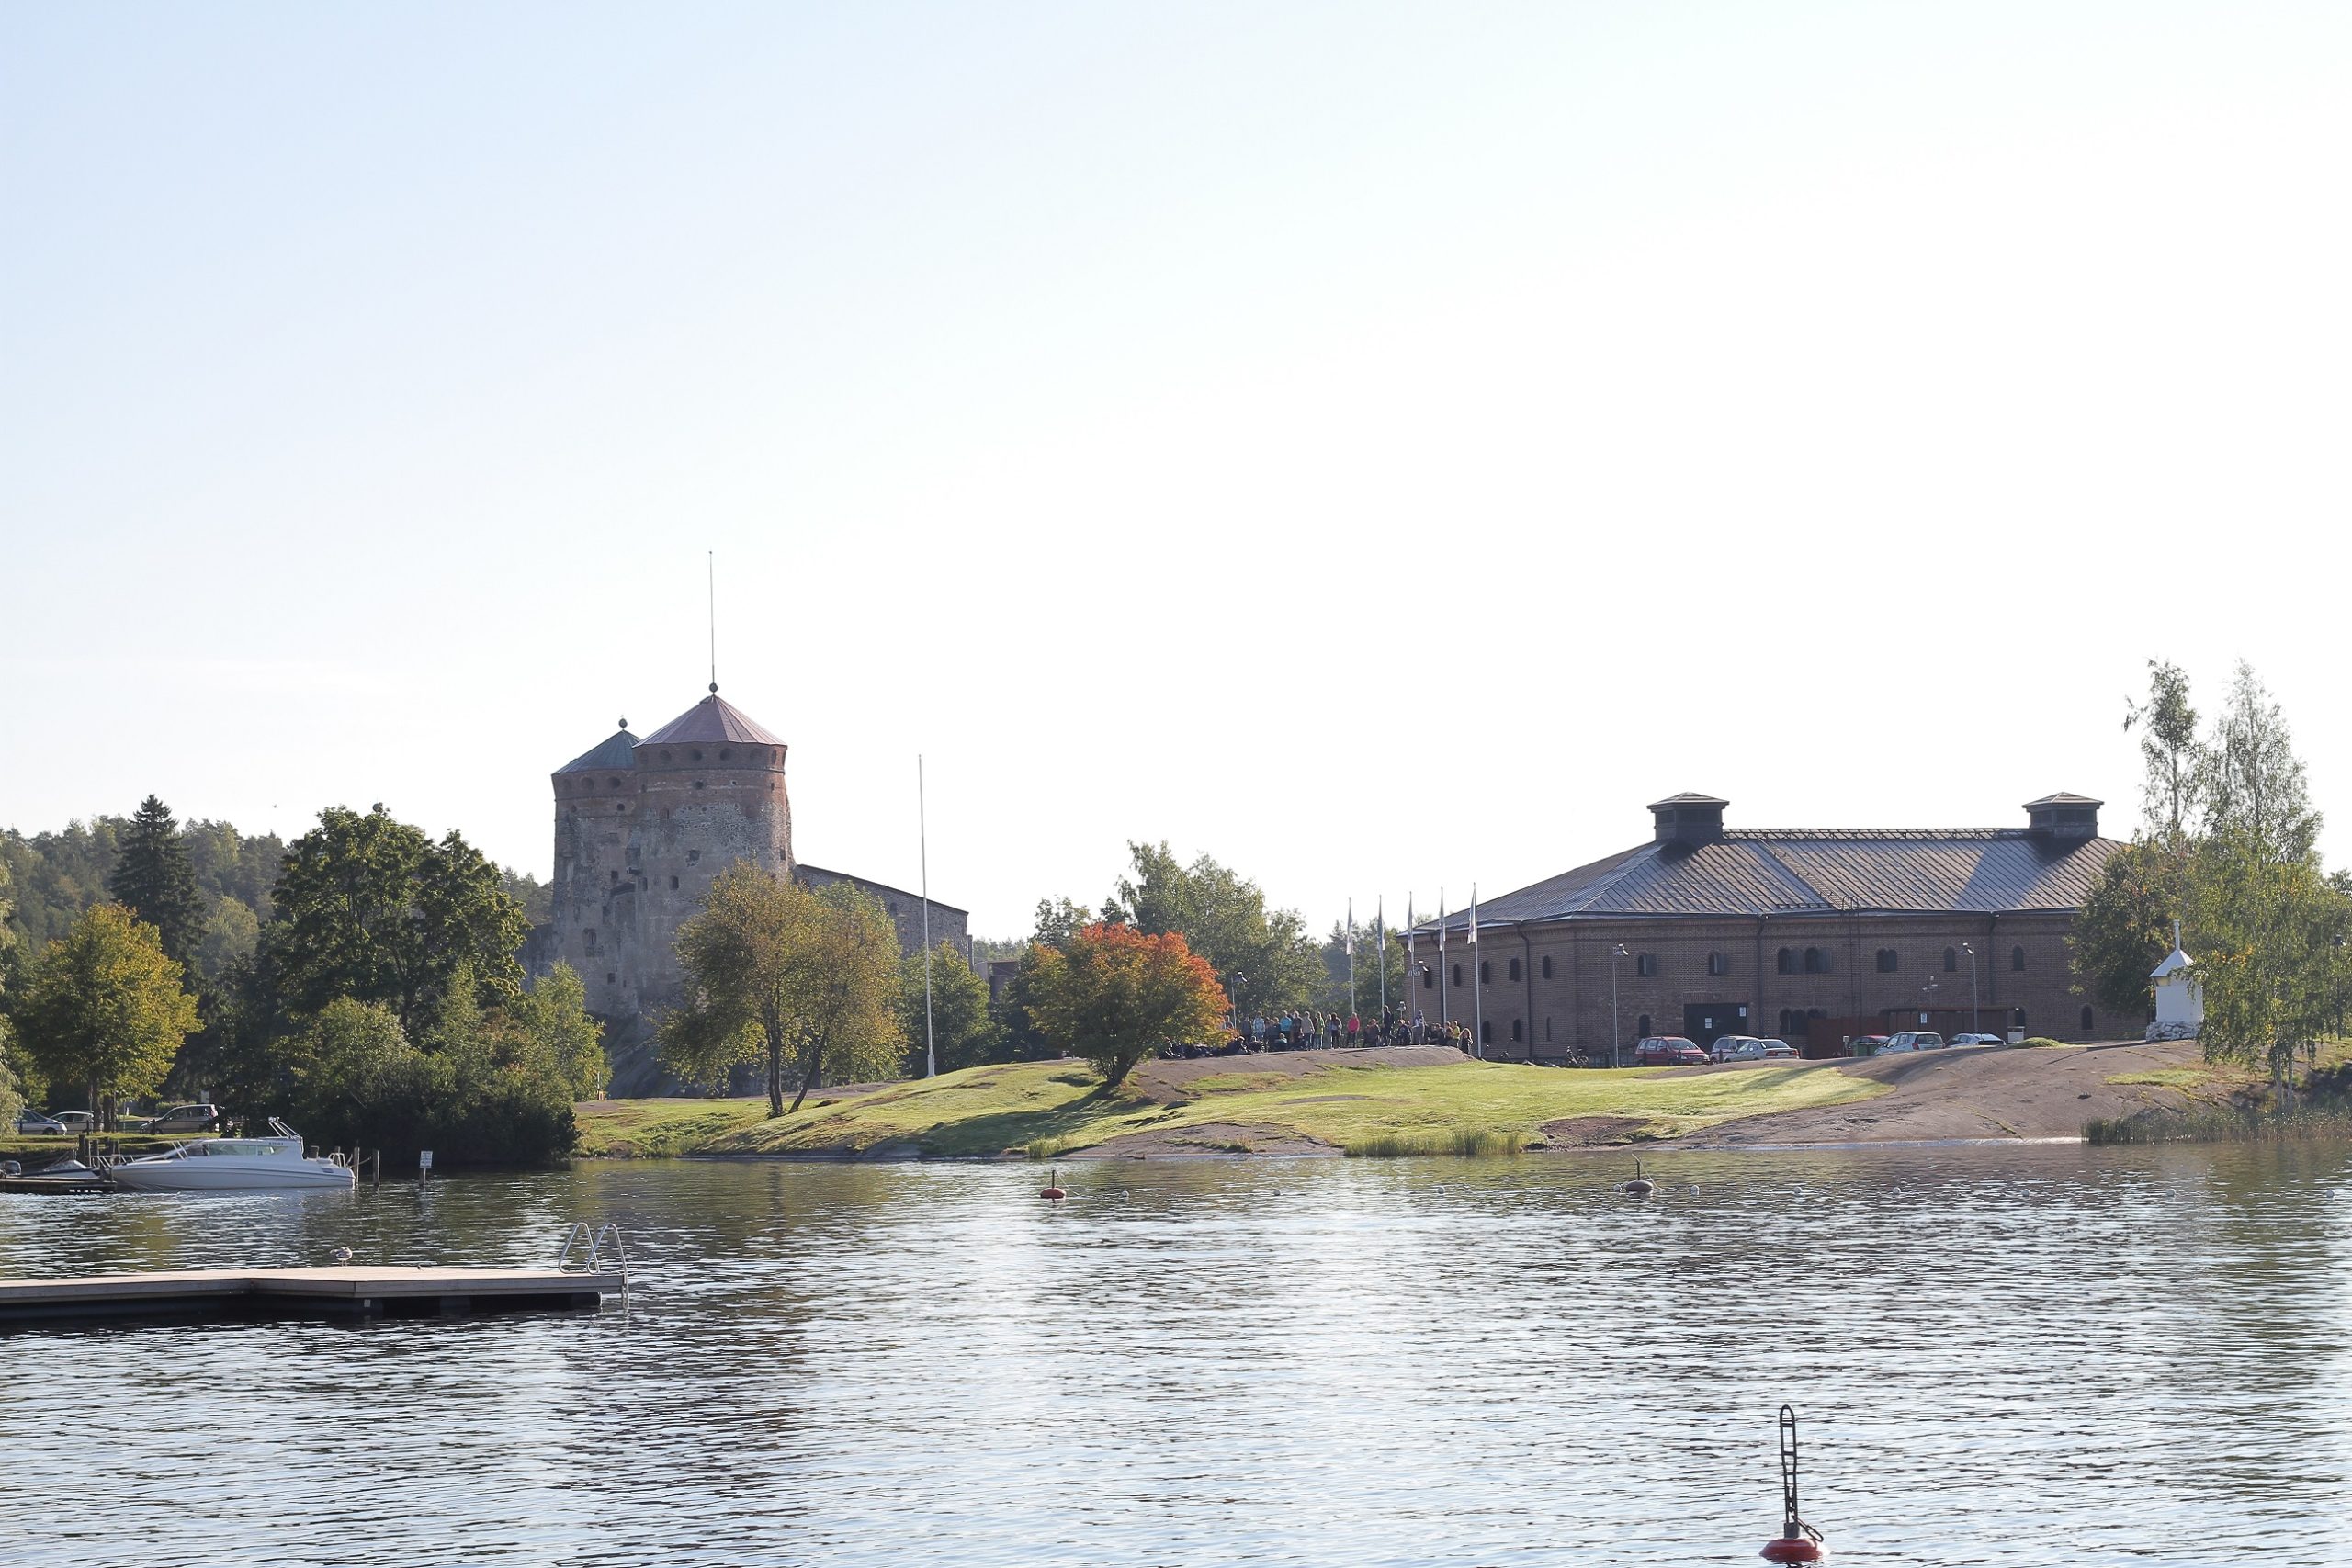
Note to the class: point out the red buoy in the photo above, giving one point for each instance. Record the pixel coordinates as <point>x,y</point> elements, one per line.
<point>1798,1542</point>
<point>1052,1192</point>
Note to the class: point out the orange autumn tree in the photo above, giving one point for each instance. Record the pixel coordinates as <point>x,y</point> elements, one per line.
<point>1114,995</point>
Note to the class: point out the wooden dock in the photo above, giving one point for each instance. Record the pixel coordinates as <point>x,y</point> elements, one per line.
<point>344,1290</point>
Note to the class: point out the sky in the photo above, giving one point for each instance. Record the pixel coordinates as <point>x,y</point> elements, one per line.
<point>1380,445</point>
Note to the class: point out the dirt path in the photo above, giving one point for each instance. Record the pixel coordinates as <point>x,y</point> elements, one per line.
<point>2013,1093</point>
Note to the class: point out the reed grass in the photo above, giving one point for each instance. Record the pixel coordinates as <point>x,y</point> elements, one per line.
<point>1467,1143</point>
<point>2224,1125</point>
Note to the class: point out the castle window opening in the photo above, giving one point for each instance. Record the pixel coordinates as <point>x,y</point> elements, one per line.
<point>1513,974</point>
<point>2090,1020</point>
<point>1547,974</point>
<point>1486,1032</point>
<point>1645,964</point>
<point>1951,959</point>
<point>692,855</point>
<point>1787,962</point>
<point>1886,961</point>
<point>666,756</point>
<point>1817,961</point>
<point>592,941</point>
<point>697,756</point>
<point>1485,973</point>
<point>615,783</point>
<point>1426,981</point>
<point>673,884</point>
<point>1515,1033</point>
<point>616,878</point>
<point>610,976</point>
<point>2016,958</point>
<point>620,806</point>
<point>724,754</point>
<point>698,784</point>
<point>1457,974</point>
<point>1719,963</point>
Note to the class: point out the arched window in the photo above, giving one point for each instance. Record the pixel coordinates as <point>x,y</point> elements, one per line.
<point>1426,981</point>
<point>1514,969</point>
<point>1817,961</point>
<point>1719,963</point>
<point>1641,1026</point>
<point>2016,958</point>
<point>1457,975</point>
<point>1547,966</point>
<point>2090,1020</point>
<point>1784,1021</point>
<point>1887,961</point>
<point>1787,962</point>
<point>1951,959</point>
<point>1485,973</point>
<point>1517,1030</point>
<point>592,941</point>
<point>697,756</point>
<point>1645,964</point>
<point>1486,1032</point>
<point>615,783</point>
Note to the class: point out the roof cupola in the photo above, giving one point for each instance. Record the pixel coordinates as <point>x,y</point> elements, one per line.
<point>1689,819</point>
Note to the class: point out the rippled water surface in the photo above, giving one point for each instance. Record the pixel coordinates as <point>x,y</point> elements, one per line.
<point>2001,1356</point>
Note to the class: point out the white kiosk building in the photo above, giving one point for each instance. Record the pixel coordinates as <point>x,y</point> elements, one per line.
<point>2180,998</point>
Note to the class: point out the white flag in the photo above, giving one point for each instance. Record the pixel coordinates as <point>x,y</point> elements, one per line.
<point>1349,939</point>
<point>1474,914</point>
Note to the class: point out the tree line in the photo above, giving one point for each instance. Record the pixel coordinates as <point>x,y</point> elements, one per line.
<point>378,999</point>
<point>2229,846</point>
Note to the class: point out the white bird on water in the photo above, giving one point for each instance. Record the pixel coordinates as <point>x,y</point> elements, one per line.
<point>341,1255</point>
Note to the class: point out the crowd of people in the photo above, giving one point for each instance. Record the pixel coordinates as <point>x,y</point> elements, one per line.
<point>1305,1029</point>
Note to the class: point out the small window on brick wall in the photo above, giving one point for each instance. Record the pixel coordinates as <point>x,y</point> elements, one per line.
<point>1645,964</point>
<point>1486,1032</point>
<point>1517,1029</point>
<point>1513,972</point>
<point>1817,961</point>
<point>1951,959</point>
<point>1719,963</point>
<point>1547,966</point>
<point>1457,975</point>
<point>1787,960</point>
<point>1887,961</point>
<point>2016,958</point>
<point>1426,981</point>
<point>1485,973</point>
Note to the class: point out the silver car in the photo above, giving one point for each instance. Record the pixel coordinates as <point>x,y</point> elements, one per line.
<point>34,1122</point>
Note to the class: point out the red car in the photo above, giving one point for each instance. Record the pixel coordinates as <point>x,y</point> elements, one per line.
<point>1668,1051</point>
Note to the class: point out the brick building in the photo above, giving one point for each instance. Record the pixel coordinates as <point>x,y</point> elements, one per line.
<point>642,828</point>
<point>1811,935</point>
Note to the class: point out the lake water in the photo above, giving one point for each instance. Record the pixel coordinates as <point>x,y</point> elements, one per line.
<point>2020,1355</point>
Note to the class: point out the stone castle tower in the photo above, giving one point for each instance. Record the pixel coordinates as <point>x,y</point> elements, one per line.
<point>642,828</point>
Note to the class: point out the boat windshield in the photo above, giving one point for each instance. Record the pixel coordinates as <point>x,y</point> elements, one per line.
<point>252,1148</point>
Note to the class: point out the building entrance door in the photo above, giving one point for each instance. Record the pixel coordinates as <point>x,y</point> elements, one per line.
<point>1706,1022</point>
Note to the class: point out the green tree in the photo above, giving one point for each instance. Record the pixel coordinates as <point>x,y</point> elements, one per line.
<point>2275,955</point>
<point>2251,781</point>
<point>155,880</point>
<point>964,1035</point>
<point>105,1009</point>
<point>1374,950</point>
<point>2125,927</point>
<point>369,908</point>
<point>1116,994</point>
<point>1059,919</point>
<point>230,934</point>
<point>780,974</point>
<point>2171,759</point>
<point>555,1013</point>
<point>12,1097</point>
<point>1265,956</point>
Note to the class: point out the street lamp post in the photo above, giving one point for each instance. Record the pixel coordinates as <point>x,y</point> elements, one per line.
<point>1615,1032</point>
<point>1239,1026</point>
<point>1928,1006</point>
<point>1976,1022</point>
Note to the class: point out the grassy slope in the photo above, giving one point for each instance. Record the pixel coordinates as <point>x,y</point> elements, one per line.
<point>1054,1108</point>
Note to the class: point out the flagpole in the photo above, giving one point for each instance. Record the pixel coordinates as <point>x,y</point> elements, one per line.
<point>1350,944</point>
<point>1380,948</point>
<point>1444,1012</point>
<point>922,849</point>
<point>1410,958</point>
<point>1477,985</point>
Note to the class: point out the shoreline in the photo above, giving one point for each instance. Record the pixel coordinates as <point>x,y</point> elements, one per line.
<point>1390,1102</point>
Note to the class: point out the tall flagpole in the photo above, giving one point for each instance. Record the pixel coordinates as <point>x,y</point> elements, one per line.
<point>1477,985</point>
<point>1444,1011</point>
<point>1380,947</point>
<point>1410,960</point>
<point>922,849</point>
<point>1349,943</point>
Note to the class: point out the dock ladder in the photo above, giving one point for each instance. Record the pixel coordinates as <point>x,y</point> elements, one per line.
<point>597,1251</point>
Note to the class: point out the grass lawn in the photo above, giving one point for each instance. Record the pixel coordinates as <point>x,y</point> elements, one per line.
<point>1053,1108</point>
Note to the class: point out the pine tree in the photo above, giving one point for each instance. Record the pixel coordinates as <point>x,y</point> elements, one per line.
<point>156,881</point>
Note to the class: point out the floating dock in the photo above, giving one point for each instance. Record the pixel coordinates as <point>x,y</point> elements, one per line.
<point>342,1292</point>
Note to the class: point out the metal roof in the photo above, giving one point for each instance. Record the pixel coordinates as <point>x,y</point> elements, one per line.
<point>1764,873</point>
<point>612,751</point>
<point>713,718</point>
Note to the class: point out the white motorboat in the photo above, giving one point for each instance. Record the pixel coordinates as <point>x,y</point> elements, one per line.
<point>275,1164</point>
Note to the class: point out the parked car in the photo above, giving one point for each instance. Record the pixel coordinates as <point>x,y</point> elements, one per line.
<point>1977,1040</point>
<point>1897,1046</point>
<point>1727,1047</point>
<point>1668,1051</point>
<point>184,1119</point>
<point>34,1122</point>
<point>1776,1050</point>
<point>77,1120</point>
<point>1913,1040</point>
<point>1865,1044</point>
